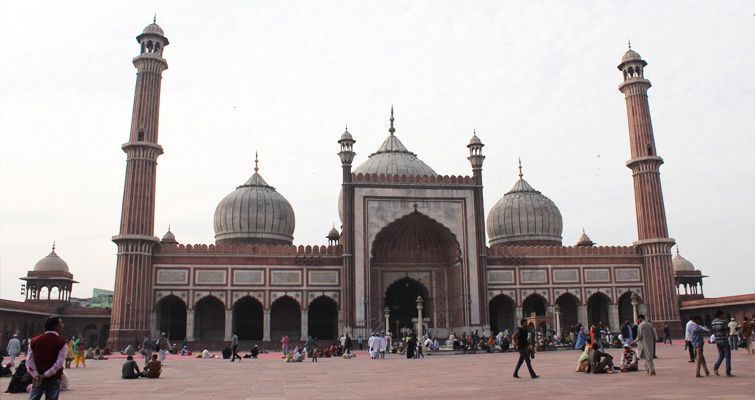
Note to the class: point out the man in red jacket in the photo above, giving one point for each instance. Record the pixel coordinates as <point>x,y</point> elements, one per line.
<point>47,353</point>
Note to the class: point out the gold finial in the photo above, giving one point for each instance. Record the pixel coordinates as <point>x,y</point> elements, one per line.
<point>520,168</point>
<point>256,162</point>
<point>392,129</point>
<point>154,20</point>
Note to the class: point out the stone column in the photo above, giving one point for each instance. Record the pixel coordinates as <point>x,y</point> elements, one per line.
<point>266,325</point>
<point>613,317</point>
<point>582,315</point>
<point>153,323</point>
<point>304,324</point>
<point>228,325</point>
<point>189,325</point>
<point>517,316</point>
<point>550,312</point>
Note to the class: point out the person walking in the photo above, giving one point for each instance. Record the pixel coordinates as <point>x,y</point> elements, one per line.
<point>45,358</point>
<point>69,352</point>
<point>645,343</point>
<point>347,344</point>
<point>721,333</point>
<point>163,347</point>
<point>696,337</point>
<point>81,345</point>
<point>235,347</point>
<point>520,339</point>
<point>688,341</point>
<point>666,334</point>
<point>14,349</point>
<point>148,346</point>
<point>359,341</point>
<point>747,335</point>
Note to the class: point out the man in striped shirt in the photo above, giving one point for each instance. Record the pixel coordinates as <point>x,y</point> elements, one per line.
<point>721,333</point>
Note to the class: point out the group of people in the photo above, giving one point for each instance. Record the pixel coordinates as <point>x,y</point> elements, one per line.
<point>725,335</point>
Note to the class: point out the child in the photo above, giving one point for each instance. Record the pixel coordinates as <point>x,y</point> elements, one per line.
<point>628,359</point>
<point>314,354</point>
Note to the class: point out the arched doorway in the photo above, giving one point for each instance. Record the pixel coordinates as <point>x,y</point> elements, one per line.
<point>285,319</point>
<point>626,311</point>
<point>534,303</point>
<point>171,317</point>
<point>418,246</point>
<point>401,299</point>
<point>248,319</point>
<point>597,309</point>
<point>568,303</point>
<point>502,317</point>
<point>210,319</point>
<point>323,319</point>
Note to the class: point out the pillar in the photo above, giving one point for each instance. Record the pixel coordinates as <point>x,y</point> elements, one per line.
<point>190,325</point>
<point>304,325</point>
<point>613,316</point>
<point>517,316</point>
<point>153,323</point>
<point>582,315</point>
<point>228,325</point>
<point>266,325</point>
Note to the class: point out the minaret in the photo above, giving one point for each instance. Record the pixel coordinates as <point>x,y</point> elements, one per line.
<point>130,317</point>
<point>347,154</point>
<point>476,158</point>
<point>653,240</point>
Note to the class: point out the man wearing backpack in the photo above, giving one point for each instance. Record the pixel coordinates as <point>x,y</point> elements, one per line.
<point>163,347</point>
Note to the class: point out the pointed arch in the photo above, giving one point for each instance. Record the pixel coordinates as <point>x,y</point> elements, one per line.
<point>597,308</point>
<point>171,317</point>
<point>322,318</point>
<point>248,318</point>
<point>534,303</point>
<point>502,313</point>
<point>209,314</point>
<point>285,318</point>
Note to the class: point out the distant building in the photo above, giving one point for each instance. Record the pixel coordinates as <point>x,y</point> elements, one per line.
<point>101,298</point>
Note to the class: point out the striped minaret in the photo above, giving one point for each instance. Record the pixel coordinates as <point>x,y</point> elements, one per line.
<point>130,317</point>
<point>653,240</point>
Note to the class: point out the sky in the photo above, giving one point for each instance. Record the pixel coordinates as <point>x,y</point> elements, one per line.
<point>535,79</point>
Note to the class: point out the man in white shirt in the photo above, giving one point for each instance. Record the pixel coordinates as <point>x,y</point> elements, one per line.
<point>733,335</point>
<point>373,346</point>
<point>383,345</point>
<point>688,340</point>
<point>14,349</point>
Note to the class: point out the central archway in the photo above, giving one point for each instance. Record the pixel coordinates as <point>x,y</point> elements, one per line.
<point>323,318</point>
<point>401,299</point>
<point>285,319</point>
<point>210,319</point>
<point>502,314</point>
<point>428,254</point>
<point>597,309</point>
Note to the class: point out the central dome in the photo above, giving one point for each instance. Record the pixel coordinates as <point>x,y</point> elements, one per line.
<point>525,217</point>
<point>254,213</point>
<point>393,158</point>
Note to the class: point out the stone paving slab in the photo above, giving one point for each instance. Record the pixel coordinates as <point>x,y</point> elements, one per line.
<point>478,376</point>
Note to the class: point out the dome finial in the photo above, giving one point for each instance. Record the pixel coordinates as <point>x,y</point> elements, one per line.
<point>629,43</point>
<point>154,19</point>
<point>392,129</point>
<point>53,245</point>
<point>520,168</point>
<point>677,249</point>
<point>256,162</point>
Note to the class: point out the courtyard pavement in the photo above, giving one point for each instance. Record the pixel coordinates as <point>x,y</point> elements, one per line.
<point>444,376</point>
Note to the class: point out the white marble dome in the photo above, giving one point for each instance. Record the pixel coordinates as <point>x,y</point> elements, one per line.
<point>254,213</point>
<point>51,263</point>
<point>393,158</point>
<point>524,216</point>
<point>681,264</point>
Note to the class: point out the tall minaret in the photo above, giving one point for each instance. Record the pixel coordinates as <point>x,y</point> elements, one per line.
<point>476,158</point>
<point>653,240</point>
<point>346,142</point>
<point>130,317</point>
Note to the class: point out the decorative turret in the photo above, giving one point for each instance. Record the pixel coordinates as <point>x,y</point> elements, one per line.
<point>347,147</point>
<point>169,237</point>
<point>50,280</point>
<point>333,236</point>
<point>688,278</point>
<point>475,151</point>
<point>584,240</point>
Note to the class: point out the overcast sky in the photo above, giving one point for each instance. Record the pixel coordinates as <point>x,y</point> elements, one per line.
<point>536,79</point>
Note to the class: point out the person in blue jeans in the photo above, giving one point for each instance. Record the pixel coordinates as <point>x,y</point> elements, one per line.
<point>520,339</point>
<point>721,333</point>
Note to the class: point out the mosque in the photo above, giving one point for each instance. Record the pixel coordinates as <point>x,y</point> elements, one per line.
<point>409,238</point>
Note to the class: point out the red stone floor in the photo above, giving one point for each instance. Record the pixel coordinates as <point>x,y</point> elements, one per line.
<point>445,376</point>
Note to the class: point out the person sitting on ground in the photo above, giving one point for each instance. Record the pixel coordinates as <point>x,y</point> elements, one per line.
<point>153,368</point>
<point>185,352</point>
<point>289,356</point>
<point>255,351</point>
<point>89,354</point>
<point>20,380</point>
<point>129,351</point>
<point>628,359</point>
<point>107,351</point>
<point>130,369</point>
<point>5,371</point>
<point>583,363</point>
<point>227,352</point>
<point>505,344</point>
<point>600,362</point>
<point>206,353</point>
<point>98,354</point>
